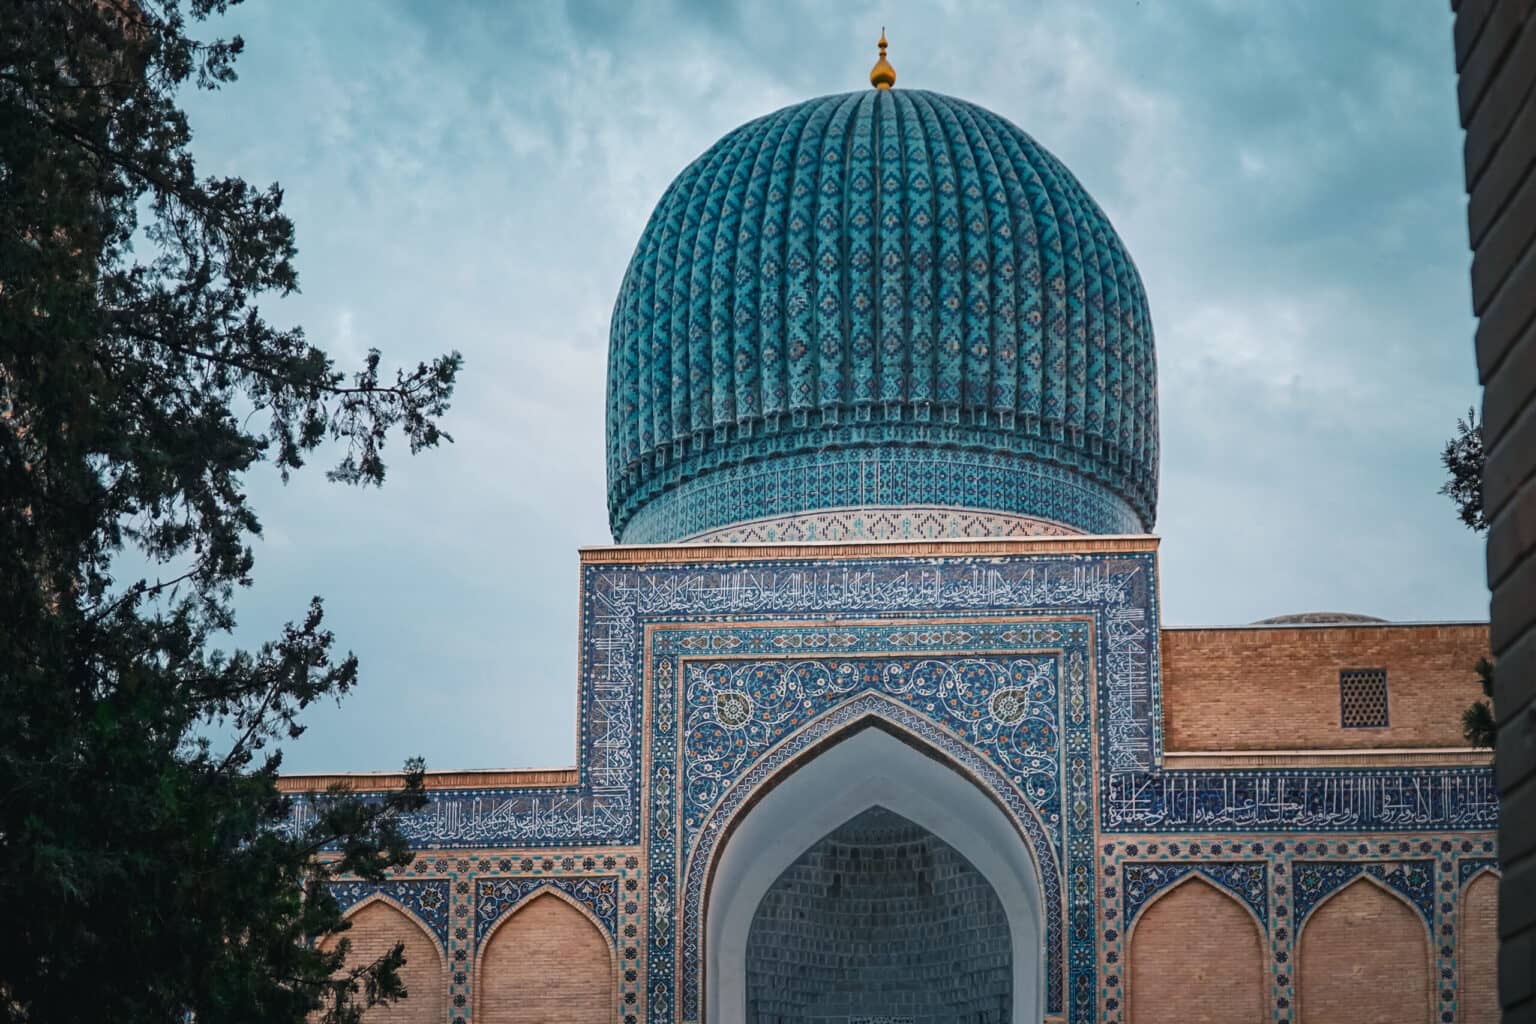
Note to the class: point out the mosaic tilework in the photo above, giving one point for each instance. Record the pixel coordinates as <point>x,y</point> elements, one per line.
<point>857,474</point>
<point>897,262</point>
<point>1317,880</point>
<point>1120,584</point>
<point>1006,707</point>
<point>610,883</point>
<point>916,609</point>
<point>882,523</point>
<point>1469,867</point>
<point>1246,880</point>
<point>1344,800</point>
<point>494,896</point>
<point>427,899</point>
<point>1302,871</point>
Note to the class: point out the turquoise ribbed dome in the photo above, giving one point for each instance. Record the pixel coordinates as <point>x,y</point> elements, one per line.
<point>891,305</point>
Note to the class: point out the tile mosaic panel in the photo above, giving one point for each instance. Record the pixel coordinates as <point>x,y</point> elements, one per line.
<point>494,896</point>
<point>877,269</point>
<point>1248,881</point>
<point>1317,880</point>
<point>949,621</point>
<point>427,899</point>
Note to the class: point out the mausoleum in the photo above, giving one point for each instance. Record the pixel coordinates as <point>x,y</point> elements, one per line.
<point>879,721</point>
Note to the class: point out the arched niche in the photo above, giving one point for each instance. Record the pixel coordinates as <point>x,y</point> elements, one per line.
<point>881,918</point>
<point>1364,957</point>
<point>867,768</point>
<point>1477,950</point>
<point>547,958</point>
<point>1197,953</point>
<point>378,923</point>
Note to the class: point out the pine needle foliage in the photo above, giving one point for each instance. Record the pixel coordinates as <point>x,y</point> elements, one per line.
<point>148,873</point>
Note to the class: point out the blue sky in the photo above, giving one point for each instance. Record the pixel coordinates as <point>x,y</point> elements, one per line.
<point>474,176</point>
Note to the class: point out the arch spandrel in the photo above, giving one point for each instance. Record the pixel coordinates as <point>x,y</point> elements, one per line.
<point>1364,938</point>
<point>919,730</point>
<point>870,762</point>
<point>1197,952</point>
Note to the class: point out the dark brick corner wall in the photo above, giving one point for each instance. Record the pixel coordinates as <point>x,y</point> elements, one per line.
<point>1495,45</point>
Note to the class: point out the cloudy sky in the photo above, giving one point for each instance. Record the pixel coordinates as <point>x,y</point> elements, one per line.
<point>474,177</point>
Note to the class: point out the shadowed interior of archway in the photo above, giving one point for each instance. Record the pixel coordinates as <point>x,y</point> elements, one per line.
<point>879,919</point>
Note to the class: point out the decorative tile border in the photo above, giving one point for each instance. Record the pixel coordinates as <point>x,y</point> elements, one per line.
<point>852,606</point>
<point>1302,871</point>
<point>426,899</point>
<point>1247,880</point>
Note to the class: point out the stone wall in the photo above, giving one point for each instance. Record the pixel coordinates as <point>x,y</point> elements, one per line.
<point>1495,47</point>
<point>1277,687</point>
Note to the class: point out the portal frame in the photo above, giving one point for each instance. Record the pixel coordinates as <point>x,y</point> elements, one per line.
<point>869,766</point>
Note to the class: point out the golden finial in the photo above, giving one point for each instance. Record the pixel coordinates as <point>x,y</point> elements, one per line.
<point>882,75</point>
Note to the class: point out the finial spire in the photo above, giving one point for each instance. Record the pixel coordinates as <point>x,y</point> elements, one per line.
<point>882,75</point>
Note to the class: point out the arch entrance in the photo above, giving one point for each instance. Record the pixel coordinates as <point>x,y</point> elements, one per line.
<point>942,843</point>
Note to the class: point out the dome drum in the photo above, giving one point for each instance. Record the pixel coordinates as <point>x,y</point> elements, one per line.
<point>884,270</point>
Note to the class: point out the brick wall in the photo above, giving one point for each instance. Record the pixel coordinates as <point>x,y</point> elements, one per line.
<point>1364,960</point>
<point>1196,955</point>
<point>1277,687</point>
<point>376,928</point>
<point>547,964</point>
<point>1477,989</point>
<point>1495,52</point>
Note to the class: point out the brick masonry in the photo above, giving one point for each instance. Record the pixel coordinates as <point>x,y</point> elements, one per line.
<point>1495,58</point>
<point>1277,687</point>
<point>879,919</point>
<point>547,964</point>
<point>377,926</point>
<point>1197,954</point>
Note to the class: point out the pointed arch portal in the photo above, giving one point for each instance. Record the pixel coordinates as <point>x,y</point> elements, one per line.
<point>868,769</point>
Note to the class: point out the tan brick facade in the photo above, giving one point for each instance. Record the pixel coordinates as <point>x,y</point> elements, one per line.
<point>1176,898</point>
<point>547,964</point>
<point>1364,960</point>
<point>376,927</point>
<point>1477,982</point>
<point>1277,687</point>
<point>1196,958</point>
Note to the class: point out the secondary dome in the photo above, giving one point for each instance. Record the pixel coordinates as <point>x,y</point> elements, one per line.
<point>886,313</point>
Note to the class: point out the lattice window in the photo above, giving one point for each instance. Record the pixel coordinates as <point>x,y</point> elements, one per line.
<point>1363,698</point>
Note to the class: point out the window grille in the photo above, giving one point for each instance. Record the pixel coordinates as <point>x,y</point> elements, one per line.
<point>1363,698</point>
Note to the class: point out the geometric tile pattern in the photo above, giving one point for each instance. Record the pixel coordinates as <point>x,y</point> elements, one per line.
<point>426,899</point>
<point>875,269</point>
<point>863,492</point>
